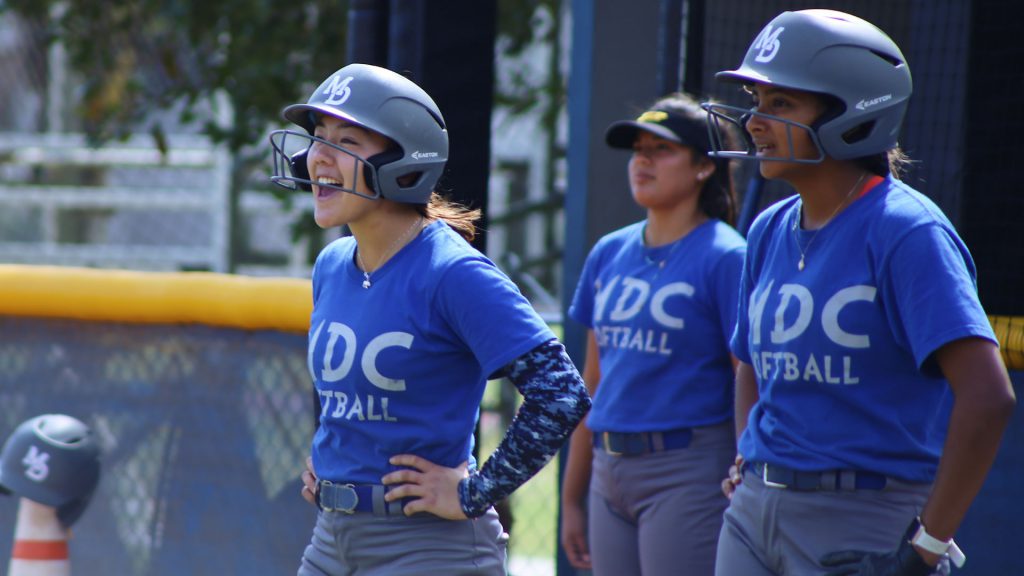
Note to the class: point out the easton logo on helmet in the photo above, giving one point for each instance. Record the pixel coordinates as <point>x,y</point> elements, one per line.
<point>768,43</point>
<point>417,155</point>
<point>339,90</point>
<point>865,104</point>
<point>37,464</point>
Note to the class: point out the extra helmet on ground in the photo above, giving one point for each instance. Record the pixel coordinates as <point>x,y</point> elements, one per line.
<point>842,56</point>
<point>389,104</point>
<point>52,459</point>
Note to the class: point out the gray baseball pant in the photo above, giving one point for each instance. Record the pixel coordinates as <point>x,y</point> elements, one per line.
<point>660,513</point>
<point>371,545</point>
<point>780,532</point>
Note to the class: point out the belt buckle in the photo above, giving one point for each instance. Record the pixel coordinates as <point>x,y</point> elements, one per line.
<point>606,442</point>
<point>767,482</point>
<point>350,493</point>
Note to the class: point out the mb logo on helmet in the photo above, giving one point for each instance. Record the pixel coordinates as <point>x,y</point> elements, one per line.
<point>52,459</point>
<point>767,43</point>
<point>338,89</point>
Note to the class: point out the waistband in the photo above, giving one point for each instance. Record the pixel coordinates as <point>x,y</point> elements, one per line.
<point>353,498</point>
<point>781,477</point>
<point>639,443</point>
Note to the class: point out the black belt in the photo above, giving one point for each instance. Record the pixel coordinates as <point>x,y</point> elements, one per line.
<point>352,498</point>
<point>638,443</point>
<point>781,477</point>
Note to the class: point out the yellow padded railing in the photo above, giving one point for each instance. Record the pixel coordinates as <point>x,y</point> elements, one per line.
<point>223,300</point>
<point>156,297</point>
<point>1010,331</point>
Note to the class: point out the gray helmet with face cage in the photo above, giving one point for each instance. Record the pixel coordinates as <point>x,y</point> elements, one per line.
<point>52,459</point>
<point>840,55</point>
<point>387,103</point>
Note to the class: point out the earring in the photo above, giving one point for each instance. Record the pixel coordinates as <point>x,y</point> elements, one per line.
<point>702,175</point>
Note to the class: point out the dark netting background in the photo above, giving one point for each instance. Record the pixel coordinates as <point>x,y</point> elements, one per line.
<point>960,126</point>
<point>205,432</point>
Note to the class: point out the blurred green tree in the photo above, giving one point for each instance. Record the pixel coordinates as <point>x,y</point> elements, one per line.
<point>195,58</point>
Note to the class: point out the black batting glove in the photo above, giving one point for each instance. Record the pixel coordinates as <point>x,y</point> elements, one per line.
<point>904,561</point>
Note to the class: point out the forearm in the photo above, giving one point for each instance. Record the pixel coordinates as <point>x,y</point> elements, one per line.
<point>576,483</point>
<point>982,408</point>
<point>974,436</point>
<point>555,401</point>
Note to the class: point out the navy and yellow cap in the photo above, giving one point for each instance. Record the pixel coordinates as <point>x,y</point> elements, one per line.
<point>665,124</point>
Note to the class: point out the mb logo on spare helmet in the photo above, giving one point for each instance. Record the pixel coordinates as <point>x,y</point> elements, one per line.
<point>36,467</point>
<point>52,459</point>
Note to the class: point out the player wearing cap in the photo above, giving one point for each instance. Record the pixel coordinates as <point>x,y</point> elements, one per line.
<point>871,397</point>
<point>659,299</point>
<point>409,321</point>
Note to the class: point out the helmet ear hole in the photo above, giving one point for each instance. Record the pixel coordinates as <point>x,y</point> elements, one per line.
<point>887,57</point>
<point>409,180</point>
<point>859,132</point>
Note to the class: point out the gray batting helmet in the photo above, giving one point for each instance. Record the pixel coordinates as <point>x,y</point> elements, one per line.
<point>52,459</point>
<point>835,54</point>
<point>382,101</point>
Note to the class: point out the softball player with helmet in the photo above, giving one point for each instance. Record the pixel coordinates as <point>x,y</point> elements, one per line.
<point>871,398</point>
<point>408,323</point>
<point>659,299</point>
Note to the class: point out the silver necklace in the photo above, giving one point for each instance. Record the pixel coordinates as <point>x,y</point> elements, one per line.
<point>391,250</point>
<point>799,216</point>
<point>659,263</point>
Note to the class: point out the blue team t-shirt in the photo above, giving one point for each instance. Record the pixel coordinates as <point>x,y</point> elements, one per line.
<point>843,349</point>
<point>662,331</point>
<point>401,367</point>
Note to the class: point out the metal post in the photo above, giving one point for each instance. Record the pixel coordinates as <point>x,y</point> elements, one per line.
<point>367,40</point>
<point>693,47</point>
<point>670,20</point>
<point>405,37</point>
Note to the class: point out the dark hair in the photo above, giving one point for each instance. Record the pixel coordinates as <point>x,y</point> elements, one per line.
<point>460,218</point>
<point>717,196</point>
<point>893,161</point>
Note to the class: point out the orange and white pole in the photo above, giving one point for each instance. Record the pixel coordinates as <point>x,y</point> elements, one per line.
<point>40,542</point>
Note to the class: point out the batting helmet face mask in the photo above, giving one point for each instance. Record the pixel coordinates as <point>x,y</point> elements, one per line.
<point>859,69</point>
<point>384,102</point>
<point>52,459</point>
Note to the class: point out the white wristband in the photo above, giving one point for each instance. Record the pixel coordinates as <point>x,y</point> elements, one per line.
<point>926,541</point>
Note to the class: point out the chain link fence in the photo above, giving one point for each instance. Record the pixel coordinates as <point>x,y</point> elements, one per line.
<point>204,431</point>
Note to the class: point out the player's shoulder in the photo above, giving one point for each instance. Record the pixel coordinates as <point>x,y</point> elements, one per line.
<point>442,247</point>
<point>724,238</point>
<point>336,253</point>
<point>771,218</point>
<point>904,205</point>
<point>902,211</point>
<point>446,260</point>
<point>620,236</point>
<point>614,242</point>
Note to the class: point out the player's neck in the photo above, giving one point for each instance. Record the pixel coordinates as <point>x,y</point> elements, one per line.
<point>824,193</point>
<point>383,235</point>
<point>665,227</point>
